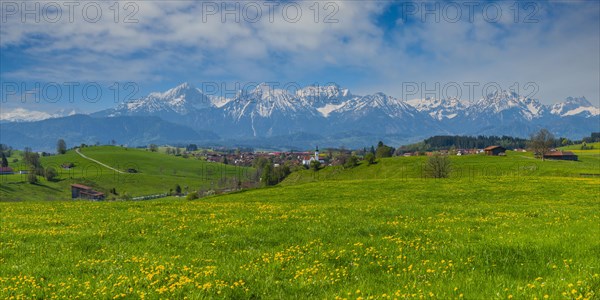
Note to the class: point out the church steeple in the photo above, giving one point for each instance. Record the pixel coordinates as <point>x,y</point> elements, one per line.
<point>317,153</point>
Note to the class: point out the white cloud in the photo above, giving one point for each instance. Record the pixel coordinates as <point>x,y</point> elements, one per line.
<point>21,114</point>
<point>172,40</point>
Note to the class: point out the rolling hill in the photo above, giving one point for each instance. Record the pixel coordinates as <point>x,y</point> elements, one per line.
<point>468,167</point>
<point>156,174</point>
<point>367,233</point>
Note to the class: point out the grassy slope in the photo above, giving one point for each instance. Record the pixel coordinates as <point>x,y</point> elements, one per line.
<point>515,164</point>
<point>482,237</point>
<point>158,174</point>
<point>578,147</point>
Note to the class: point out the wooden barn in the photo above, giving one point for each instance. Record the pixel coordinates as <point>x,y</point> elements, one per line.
<point>79,191</point>
<point>495,150</point>
<point>561,155</point>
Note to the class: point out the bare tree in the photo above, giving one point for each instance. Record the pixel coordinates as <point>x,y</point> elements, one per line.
<point>541,143</point>
<point>438,166</point>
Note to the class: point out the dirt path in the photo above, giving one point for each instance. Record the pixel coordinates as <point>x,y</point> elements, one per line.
<point>102,164</point>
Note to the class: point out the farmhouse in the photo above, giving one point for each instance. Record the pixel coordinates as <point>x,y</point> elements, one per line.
<point>6,171</point>
<point>494,150</point>
<point>561,155</point>
<point>85,192</point>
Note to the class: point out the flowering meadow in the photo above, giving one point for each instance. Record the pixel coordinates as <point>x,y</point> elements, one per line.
<point>521,238</point>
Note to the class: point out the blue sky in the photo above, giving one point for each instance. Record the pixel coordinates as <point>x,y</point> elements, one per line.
<point>367,46</point>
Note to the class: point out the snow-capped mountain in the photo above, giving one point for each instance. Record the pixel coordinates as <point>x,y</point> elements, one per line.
<point>575,107</point>
<point>265,101</point>
<point>266,111</point>
<point>322,96</point>
<point>506,103</point>
<point>181,100</point>
<point>440,109</point>
<point>332,111</point>
<point>25,115</point>
<point>379,102</point>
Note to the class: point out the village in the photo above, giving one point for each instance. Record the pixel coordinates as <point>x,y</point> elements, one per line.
<point>334,157</point>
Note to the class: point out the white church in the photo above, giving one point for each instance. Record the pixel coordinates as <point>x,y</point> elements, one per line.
<point>307,160</point>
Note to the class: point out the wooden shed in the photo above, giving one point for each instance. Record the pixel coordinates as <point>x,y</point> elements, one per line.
<point>85,192</point>
<point>561,155</point>
<point>494,150</point>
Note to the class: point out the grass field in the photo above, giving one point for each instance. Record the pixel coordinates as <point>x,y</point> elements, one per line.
<point>469,167</point>
<point>158,173</point>
<point>578,147</point>
<point>361,233</point>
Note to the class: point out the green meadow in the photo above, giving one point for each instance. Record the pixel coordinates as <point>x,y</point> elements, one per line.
<point>596,147</point>
<point>469,167</point>
<point>499,228</point>
<point>157,173</point>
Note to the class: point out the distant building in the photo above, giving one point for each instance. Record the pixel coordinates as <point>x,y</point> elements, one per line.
<point>6,171</point>
<point>495,150</point>
<point>79,191</point>
<point>561,155</point>
<point>307,160</point>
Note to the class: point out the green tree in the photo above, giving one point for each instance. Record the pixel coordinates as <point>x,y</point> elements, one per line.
<point>225,161</point>
<point>61,147</point>
<point>4,161</point>
<point>315,165</point>
<point>32,177</point>
<point>438,166</point>
<point>177,189</point>
<point>281,172</point>
<point>32,160</point>
<point>192,196</point>
<point>383,150</point>
<point>351,162</point>
<point>153,148</point>
<point>370,158</point>
<point>267,176</point>
<point>260,163</point>
<point>51,174</point>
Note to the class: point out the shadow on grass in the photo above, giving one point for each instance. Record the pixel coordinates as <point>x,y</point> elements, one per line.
<point>47,187</point>
<point>6,188</point>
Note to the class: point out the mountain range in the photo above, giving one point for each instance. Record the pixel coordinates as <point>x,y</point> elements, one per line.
<point>331,116</point>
